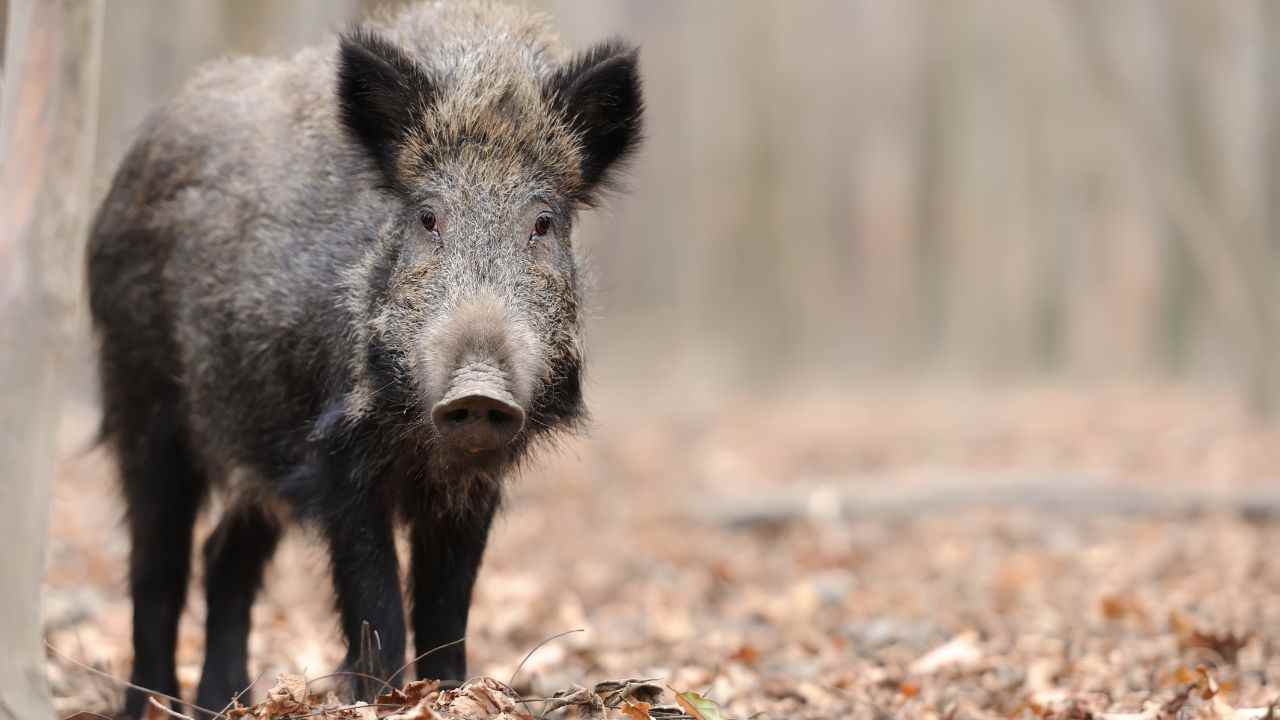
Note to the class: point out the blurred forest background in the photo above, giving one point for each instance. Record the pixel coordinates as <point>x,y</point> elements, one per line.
<point>920,323</point>
<point>836,192</point>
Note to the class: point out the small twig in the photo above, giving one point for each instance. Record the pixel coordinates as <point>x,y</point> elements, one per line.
<point>118,681</point>
<point>511,681</point>
<point>172,713</point>
<point>348,673</point>
<point>536,648</point>
<point>105,689</point>
<point>236,698</point>
<point>387,683</point>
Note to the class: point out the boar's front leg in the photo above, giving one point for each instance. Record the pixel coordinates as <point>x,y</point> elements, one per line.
<point>235,556</point>
<point>366,579</point>
<point>446,559</point>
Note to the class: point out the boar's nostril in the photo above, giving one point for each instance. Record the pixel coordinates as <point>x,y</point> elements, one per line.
<point>477,422</point>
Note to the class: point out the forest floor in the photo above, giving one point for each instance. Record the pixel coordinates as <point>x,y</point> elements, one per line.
<point>905,553</point>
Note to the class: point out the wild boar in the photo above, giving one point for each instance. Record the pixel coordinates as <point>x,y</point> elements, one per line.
<point>340,289</point>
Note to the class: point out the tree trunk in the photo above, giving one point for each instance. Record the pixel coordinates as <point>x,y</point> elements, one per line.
<point>46,141</point>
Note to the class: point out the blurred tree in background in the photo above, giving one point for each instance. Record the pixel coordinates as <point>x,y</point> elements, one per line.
<point>48,109</point>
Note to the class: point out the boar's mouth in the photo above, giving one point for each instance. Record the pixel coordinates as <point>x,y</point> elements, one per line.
<point>478,414</point>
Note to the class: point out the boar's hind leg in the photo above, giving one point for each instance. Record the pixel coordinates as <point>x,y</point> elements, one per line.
<point>235,556</point>
<point>366,580</point>
<point>446,558</point>
<point>163,489</point>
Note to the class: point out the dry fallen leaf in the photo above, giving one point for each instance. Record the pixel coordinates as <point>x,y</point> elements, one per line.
<point>1226,645</point>
<point>746,654</point>
<point>579,696</point>
<point>1120,606</point>
<point>613,692</point>
<point>419,689</point>
<point>698,707</point>
<point>636,710</point>
<point>961,652</point>
<point>287,697</point>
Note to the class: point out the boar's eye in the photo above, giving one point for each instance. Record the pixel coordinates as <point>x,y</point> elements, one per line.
<point>541,226</point>
<point>429,221</point>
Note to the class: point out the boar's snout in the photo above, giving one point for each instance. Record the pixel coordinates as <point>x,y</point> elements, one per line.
<point>481,363</point>
<point>478,414</point>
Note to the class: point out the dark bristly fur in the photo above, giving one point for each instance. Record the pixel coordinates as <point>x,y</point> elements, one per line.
<point>380,89</point>
<point>598,91</point>
<point>276,322</point>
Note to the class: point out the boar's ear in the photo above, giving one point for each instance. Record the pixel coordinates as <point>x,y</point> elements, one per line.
<point>379,91</point>
<point>598,91</point>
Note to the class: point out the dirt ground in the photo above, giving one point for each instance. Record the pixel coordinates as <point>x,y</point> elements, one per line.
<point>926,553</point>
